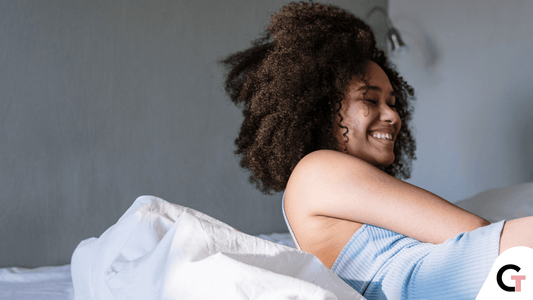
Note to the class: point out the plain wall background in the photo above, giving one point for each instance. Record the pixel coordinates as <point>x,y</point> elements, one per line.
<point>104,101</point>
<point>470,63</point>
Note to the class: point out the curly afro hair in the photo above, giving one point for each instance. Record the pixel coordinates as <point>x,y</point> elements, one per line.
<point>290,85</point>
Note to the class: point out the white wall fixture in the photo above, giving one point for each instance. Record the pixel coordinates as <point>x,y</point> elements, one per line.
<point>395,42</point>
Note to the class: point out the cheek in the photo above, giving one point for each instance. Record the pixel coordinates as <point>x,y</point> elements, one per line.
<point>350,119</point>
<point>366,109</point>
<point>399,122</point>
<point>359,118</point>
<point>354,119</point>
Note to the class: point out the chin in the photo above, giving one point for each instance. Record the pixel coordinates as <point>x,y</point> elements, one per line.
<point>384,164</point>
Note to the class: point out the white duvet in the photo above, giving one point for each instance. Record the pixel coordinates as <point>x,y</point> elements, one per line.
<point>160,250</point>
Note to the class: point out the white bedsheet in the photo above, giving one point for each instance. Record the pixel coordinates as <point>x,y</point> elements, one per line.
<point>160,250</point>
<point>55,282</point>
<point>44,283</point>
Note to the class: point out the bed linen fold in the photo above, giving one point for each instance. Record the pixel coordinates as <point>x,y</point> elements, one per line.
<point>160,250</point>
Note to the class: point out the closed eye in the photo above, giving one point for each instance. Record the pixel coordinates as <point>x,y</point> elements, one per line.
<point>375,102</point>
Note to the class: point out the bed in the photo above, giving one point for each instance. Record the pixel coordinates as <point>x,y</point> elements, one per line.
<point>55,282</point>
<point>156,244</point>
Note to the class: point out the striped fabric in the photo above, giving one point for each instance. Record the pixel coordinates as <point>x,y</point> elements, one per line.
<point>382,264</point>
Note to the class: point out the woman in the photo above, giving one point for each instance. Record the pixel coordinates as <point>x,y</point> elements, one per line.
<point>326,120</point>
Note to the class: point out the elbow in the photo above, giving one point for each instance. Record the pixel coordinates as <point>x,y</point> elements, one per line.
<point>483,223</point>
<point>478,224</point>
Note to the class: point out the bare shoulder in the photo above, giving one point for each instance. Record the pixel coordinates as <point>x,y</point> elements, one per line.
<point>307,173</point>
<point>323,157</point>
<point>324,162</point>
<point>318,234</point>
<point>328,172</point>
<point>319,176</point>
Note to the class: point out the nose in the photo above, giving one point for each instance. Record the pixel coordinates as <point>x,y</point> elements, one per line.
<point>388,114</point>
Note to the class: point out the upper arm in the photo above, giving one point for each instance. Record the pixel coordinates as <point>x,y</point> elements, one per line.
<point>341,186</point>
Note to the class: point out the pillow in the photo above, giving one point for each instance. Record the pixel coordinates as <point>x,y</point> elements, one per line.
<point>505,203</point>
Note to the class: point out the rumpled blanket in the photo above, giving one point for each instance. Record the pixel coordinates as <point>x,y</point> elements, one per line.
<point>160,250</point>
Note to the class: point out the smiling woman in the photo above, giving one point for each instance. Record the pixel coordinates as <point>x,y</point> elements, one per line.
<point>327,120</point>
<point>370,118</point>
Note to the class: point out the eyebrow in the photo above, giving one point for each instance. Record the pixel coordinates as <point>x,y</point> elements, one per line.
<point>375,88</point>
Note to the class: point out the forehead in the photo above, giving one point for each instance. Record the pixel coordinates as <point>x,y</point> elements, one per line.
<point>374,73</point>
<point>374,76</point>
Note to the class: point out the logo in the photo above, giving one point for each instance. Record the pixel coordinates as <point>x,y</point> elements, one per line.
<point>511,276</point>
<point>517,278</point>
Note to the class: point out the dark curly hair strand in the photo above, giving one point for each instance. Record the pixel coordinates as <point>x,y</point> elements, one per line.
<point>290,85</point>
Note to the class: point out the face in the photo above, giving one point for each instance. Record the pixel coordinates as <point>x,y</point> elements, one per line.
<point>372,120</point>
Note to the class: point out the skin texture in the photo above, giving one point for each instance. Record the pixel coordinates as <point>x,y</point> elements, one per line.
<point>518,232</point>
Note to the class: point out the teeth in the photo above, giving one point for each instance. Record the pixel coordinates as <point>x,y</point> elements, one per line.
<point>384,136</point>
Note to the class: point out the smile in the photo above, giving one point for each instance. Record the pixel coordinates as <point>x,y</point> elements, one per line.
<point>382,136</point>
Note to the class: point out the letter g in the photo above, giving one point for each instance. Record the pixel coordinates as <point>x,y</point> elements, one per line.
<point>500,275</point>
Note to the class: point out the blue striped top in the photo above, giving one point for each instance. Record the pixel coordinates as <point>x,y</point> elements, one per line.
<point>382,264</point>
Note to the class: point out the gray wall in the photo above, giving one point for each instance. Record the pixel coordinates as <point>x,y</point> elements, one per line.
<point>470,63</point>
<point>104,101</point>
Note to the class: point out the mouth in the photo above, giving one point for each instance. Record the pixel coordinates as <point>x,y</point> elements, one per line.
<point>382,136</point>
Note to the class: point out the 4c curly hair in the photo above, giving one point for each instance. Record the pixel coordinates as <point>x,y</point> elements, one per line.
<point>290,85</point>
